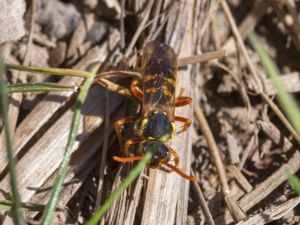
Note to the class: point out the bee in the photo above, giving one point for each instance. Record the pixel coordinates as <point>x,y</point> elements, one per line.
<point>156,125</point>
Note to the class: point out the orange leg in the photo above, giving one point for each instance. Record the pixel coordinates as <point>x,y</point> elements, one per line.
<point>119,128</point>
<point>131,142</point>
<point>174,154</point>
<point>127,159</point>
<point>180,172</point>
<point>136,91</point>
<point>182,101</point>
<point>127,144</point>
<point>187,122</point>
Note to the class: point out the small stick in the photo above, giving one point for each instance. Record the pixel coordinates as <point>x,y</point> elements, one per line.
<point>104,153</point>
<point>122,42</point>
<point>240,178</point>
<point>202,202</point>
<point>213,149</point>
<point>202,58</point>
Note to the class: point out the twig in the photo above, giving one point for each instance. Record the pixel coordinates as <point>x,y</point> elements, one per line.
<point>122,42</point>
<point>202,202</point>
<point>202,58</point>
<point>240,178</point>
<point>104,153</point>
<point>213,149</point>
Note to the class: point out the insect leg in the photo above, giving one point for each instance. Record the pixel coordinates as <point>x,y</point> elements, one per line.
<point>180,172</point>
<point>136,91</point>
<point>187,122</point>
<point>182,101</point>
<point>119,128</point>
<point>174,154</point>
<point>130,142</point>
<point>127,159</point>
<point>127,144</point>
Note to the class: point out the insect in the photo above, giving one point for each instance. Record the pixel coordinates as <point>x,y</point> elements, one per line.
<point>157,122</point>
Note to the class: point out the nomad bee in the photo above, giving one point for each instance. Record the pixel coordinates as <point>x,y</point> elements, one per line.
<point>157,122</point>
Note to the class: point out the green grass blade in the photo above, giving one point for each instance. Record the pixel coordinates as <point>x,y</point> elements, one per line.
<point>286,101</point>
<point>54,71</point>
<point>127,181</point>
<point>294,181</point>
<point>39,87</point>
<point>7,205</point>
<point>48,213</point>
<point>16,211</point>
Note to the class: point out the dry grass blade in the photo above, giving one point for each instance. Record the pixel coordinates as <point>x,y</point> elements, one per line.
<point>202,58</point>
<point>56,71</point>
<point>203,204</point>
<point>240,178</point>
<point>213,149</point>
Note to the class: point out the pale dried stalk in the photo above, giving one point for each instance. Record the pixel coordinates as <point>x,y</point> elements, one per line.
<point>240,178</point>
<point>212,146</point>
<point>203,204</point>
<point>202,58</point>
